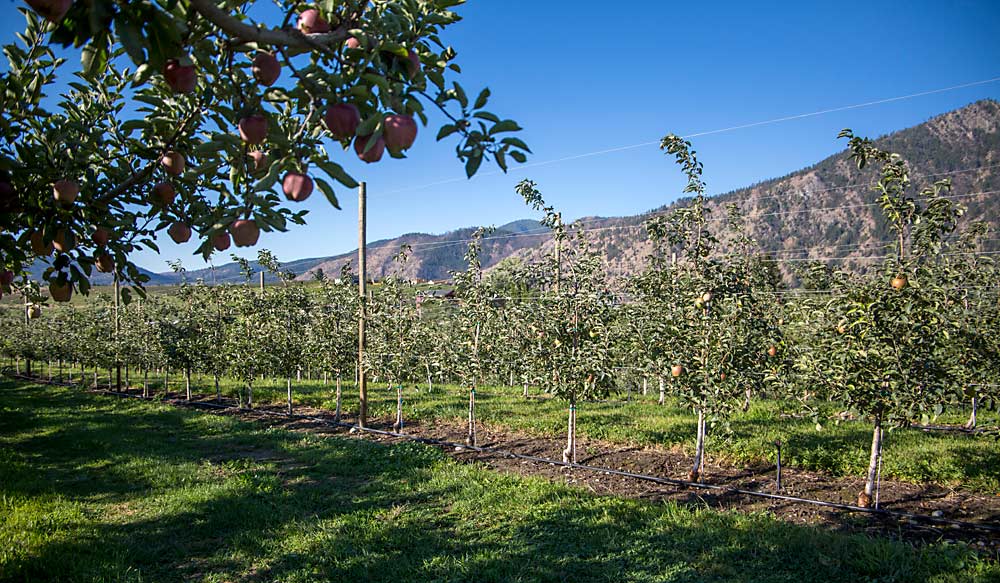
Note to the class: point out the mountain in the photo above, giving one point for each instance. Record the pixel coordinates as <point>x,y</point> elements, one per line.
<point>824,210</point>
<point>827,210</point>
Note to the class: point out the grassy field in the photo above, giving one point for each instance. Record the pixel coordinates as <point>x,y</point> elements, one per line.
<point>101,489</point>
<point>841,449</point>
<point>971,462</point>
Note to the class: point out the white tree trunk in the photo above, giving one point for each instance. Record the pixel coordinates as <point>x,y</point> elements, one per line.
<point>865,498</point>
<point>569,454</point>
<point>971,423</point>
<point>470,439</point>
<point>336,414</point>
<point>663,391</point>
<point>699,449</point>
<point>288,384</point>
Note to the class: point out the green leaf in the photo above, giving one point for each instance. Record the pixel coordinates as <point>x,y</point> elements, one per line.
<point>484,96</point>
<point>506,125</point>
<point>473,163</point>
<point>446,130</point>
<point>336,172</point>
<point>328,192</point>
<point>517,143</point>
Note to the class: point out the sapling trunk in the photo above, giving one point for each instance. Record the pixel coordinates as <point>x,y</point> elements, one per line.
<point>187,384</point>
<point>325,382</point>
<point>746,400</point>
<point>699,450</point>
<point>218,390</point>
<point>145,382</point>
<point>645,387</point>
<point>971,423</point>
<point>288,383</point>
<point>60,370</point>
<point>111,379</point>
<point>470,439</point>
<point>166,383</point>
<point>127,379</point>
<point>96,386</point>
<point>336,413</point>
<point>398,425</point>
<point>663,391</point>
<point>865,498</point>
<point>250,395</point>
<point>569,454</point>
<point>525,392</point>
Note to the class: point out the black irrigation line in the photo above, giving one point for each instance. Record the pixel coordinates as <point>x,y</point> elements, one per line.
<point>596,469</point>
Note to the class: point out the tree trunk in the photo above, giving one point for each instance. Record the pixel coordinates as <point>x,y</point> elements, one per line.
<point>288,385</point>
<point>111,379</point>
<point>699,450</point>
<point>971,423</point>
<point>96,386</point>
<point>336,414</point>
<point>663,391</point>
<point>249,396</point>
<point>166,383</point>
<point>325,378</point>
<point>398,425</point>
<point>569,454</point>
<point>128,371</point>
<point>145,382</point>
<point>60,370</point>
<point>525,391</point>
<point>187,384</point>
<point>470,439</point>
<point>218,390</point>
<point>746,400</point>
<point>645,387</point>
<point>874,463</point>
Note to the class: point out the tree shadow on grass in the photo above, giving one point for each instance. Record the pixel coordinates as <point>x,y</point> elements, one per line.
<point>279,506</point>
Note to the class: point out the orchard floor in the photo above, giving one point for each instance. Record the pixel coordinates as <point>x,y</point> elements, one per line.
<point>96,488</point>
<point>918,499</point>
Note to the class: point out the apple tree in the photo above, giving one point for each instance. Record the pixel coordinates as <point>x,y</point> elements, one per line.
<point>880,350</point>
<point>213,120</point>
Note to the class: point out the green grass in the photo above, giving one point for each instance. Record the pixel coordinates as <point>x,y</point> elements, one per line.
<point>970,462</point>
<point>840,449</point>
<point>101,489</point>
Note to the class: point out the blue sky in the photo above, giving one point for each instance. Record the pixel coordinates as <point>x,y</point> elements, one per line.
<point>587,76</point>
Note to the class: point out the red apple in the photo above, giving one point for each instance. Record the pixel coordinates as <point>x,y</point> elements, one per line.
<point>373,154</point>
<point>60,293</point>
<point>100,237</point>
<point>413,63</point>
<point>266,68</point>
<point>245,232</point>
<point>173,163</point>
<point>260,161</point>
<point>164,193</point>
<point>353,43</point>
<point>253,129</point>
<point>64,241</point>
<point>400,131</point>
<point>52,10</point>
<point>342,119</point>
<point>6,277</point>
<point>677,370</point>
<point>105,264</point>
<point>772,351</point>
<point>180,78</point>
<point>65,191</point>
<point>179,232</point>
<point>310,22</point>
<point>221,241</point>
<point>38,245</point>
<point>898,282</point>
<point>297,186</point>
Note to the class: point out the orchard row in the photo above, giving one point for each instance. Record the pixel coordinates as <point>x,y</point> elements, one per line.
<point>709,321</point>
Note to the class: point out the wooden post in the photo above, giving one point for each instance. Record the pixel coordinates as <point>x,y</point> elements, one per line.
<point>118,364</point>
<point>362,289</point>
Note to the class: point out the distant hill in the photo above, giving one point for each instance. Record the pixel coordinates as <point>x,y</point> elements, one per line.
<point>821,211</point>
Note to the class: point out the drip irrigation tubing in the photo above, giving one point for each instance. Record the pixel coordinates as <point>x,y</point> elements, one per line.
<point>596,469</point>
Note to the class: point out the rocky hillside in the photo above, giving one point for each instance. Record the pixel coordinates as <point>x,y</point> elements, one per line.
<point>826,210</point>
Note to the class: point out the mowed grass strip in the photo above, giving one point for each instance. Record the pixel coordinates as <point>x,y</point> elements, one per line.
<point>970,462</point>
<point>101,489</point>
